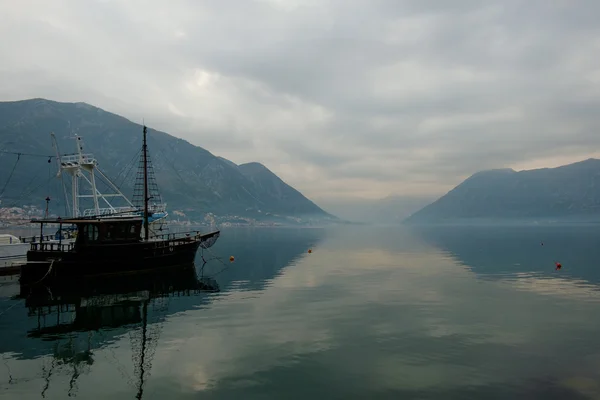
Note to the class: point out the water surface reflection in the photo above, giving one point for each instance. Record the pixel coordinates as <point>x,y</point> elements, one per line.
<point>371,313</point>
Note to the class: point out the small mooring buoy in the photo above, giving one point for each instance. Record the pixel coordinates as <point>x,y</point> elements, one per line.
<point>231,259</point>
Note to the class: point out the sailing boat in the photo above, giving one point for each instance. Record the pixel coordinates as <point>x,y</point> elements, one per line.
<point>12,251</point>
<point>107,244</point>
<point>81,168</point>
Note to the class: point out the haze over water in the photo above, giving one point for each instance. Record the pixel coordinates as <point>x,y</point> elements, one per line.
<point>372,312</point>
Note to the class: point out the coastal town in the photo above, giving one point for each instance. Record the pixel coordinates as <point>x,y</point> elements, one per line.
<point>21,216</point>
<point>10,216</point>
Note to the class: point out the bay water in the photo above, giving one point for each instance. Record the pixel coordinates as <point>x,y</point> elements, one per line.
<point>369,313</point>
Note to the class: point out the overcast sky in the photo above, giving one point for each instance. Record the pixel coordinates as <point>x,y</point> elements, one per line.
<point>361,98</point>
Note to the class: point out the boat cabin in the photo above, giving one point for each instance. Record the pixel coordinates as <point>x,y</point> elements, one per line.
<point>104,231</point>
<point>98,231</point>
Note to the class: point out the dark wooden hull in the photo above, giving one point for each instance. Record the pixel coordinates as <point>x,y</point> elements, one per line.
<point>112,258</point>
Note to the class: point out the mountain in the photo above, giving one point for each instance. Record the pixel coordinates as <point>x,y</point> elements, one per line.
<point>569,192</point>
<point>190,178</point>
<point>389,210</point>
<point>284,198</point>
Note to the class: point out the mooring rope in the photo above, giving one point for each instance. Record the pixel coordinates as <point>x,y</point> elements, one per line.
<point>11,174</point>
<point>44,277</point>
<point>9,308</point>
<point>225,266</point>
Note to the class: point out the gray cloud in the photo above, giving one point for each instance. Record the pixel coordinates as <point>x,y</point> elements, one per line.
<point>364,98</point>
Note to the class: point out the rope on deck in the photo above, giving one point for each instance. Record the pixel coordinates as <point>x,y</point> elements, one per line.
<point>47,273</point>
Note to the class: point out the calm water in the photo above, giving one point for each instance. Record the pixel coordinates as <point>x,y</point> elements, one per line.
<point>372,313</point>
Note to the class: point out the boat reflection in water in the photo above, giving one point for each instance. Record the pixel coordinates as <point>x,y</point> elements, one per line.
<point>72,312</point>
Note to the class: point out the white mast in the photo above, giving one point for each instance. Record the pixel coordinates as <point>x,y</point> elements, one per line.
<point>77,165</point>
<point>55,145</point>
<point>88,163</point>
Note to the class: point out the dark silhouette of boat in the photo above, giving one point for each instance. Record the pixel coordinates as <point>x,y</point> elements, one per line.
<point>109,245</point>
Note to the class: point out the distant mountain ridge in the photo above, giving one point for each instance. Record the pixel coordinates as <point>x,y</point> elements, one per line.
<point>190,178</point>
<point>567,192</point>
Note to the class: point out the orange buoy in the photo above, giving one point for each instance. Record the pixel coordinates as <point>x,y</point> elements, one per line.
<point>231,259</point>
<point>309,251</point>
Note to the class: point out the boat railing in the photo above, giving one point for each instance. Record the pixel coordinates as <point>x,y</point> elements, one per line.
<point>52,246</point>
<point>115,211</point>
<point>176,235</point>
<point>124,211</point>
<point>74,160</point>
<point>33,239</point>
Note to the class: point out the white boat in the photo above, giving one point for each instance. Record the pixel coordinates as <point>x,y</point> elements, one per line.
<point>12,250</point>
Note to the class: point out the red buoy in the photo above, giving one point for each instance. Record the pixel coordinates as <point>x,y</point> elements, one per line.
<point>558,265</point>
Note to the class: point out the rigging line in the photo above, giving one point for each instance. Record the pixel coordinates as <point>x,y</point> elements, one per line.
<point>131,164</point>
<point>26,154</point>
<point>27,194</point>
<point>15,304</point>
<point>100,179</point>
<point>225,266</point>
<point>124,176</point>
<point>171,164</point>
<point>105,180</point>
<point>26,187</point>
<point>9,308</point>
<point>49,178</point>
<point>62,181</point>
<point>11,174</point>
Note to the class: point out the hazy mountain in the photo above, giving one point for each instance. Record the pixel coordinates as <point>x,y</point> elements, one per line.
<point>567,192</point>
<point>190,178</point>
<point>389,210</point>
<point>267,185</point>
